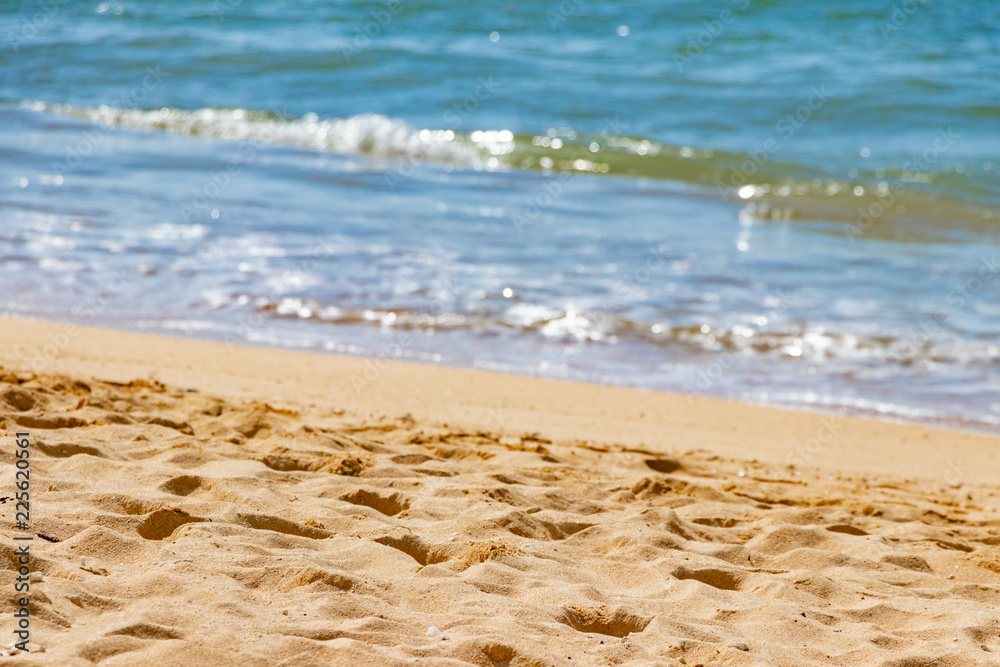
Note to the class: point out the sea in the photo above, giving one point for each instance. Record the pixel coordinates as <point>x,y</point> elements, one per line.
<point>782,203</point>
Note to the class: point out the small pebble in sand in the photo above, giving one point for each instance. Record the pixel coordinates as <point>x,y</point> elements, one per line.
<point>83,561</point>
<point>183,560</point>
<point>36,576</point>
<point>433,632</point>
<point>739,646</point>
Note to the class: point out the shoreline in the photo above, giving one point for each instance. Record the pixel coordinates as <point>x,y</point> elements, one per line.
<point>899,416</point>
<point>502,402</point>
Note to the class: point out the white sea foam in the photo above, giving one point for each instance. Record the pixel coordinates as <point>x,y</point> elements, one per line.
<point>365,134</point>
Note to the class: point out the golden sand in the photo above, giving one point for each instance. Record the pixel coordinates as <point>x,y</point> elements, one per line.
<point>219,505</point>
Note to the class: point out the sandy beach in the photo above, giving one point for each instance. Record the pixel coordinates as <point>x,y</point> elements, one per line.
<point>205,504</point>
<point>500,335</point>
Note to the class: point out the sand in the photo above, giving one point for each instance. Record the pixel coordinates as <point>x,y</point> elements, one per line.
<point>220,505</point>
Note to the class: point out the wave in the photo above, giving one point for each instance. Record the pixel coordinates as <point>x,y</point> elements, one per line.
<point>794,341</point>
<point>882,203</point>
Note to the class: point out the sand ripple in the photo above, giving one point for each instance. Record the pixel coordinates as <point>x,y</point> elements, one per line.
<point>198,530</point>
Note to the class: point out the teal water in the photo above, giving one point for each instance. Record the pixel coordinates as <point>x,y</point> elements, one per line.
<point>768,201</point>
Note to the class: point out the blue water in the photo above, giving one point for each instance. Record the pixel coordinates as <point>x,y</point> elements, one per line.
<point>773,202</point>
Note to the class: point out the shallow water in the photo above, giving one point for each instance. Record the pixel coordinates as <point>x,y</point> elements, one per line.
<point>784,204</point>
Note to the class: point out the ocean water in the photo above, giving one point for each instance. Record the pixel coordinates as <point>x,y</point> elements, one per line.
<point>783,203</point>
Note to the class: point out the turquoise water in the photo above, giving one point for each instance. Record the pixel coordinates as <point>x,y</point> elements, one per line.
<point>774,202</point>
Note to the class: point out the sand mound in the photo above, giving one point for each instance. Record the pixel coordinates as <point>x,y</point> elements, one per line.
<point>195,530</point>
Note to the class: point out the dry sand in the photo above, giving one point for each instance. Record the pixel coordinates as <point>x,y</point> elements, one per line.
<point>219,505</point>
